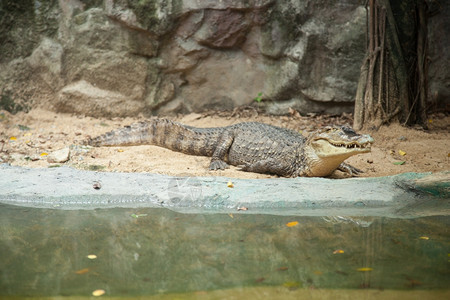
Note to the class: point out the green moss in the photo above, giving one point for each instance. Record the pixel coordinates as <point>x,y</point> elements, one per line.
<point>147,13</point>
<point>9,104</point>
<point>22,23</point>
<point>92,3</point>
<point>95,167</point>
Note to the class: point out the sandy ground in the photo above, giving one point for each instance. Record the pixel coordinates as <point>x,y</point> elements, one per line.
<point>27,139</point>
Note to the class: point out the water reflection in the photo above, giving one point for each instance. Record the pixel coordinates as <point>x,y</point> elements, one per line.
<point>152,251</point>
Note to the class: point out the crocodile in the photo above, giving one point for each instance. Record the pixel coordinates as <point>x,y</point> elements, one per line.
<point>251,146</point>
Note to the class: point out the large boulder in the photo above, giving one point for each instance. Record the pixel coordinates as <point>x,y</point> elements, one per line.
<point>83,98</point>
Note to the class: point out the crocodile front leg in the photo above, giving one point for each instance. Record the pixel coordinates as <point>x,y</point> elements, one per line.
<point>221,151</point>
<point>351,170</point>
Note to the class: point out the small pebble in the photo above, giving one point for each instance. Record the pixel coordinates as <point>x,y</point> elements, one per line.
<point>59,156</point>
<point>97,185</point>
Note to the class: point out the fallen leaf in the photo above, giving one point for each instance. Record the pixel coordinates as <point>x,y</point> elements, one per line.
<point>424,238</point>
<point>23,127</point>
<point>27,134</point>
<point>230,184</point>
<point>399,163</point>
<point>318,272</point>
<point>292,224</point>
<point>401,152</point>
<point>242,208</point>
<point>97,293</point>
<point>44,153</point>
<point>13,138</point>
<point>231,216</point>
<point>82,271</point>
<point>92,256</point>
<point>282,269</point>
<point>119,150</point>
<point>339,251</point>
<point>364,269</point>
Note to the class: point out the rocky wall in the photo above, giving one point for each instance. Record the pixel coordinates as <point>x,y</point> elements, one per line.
<point>125,57</point>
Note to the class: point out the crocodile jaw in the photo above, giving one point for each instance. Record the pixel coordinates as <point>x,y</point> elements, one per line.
<point>325,148</point>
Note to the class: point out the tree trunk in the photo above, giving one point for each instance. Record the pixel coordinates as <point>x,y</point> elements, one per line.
<point>392,84</point>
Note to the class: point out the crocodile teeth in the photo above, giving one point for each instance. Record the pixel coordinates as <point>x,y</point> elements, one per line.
<point>349,146</point>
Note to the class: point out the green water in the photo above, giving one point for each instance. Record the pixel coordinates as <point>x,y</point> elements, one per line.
<point>156,252</point>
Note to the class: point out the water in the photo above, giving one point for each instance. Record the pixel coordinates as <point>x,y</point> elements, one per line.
<point>151,252</point>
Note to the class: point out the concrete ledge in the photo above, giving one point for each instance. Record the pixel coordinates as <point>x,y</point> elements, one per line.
<point>404,195</point>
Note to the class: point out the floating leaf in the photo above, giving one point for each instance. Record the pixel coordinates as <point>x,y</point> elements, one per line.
<point>399,163</point>
<point>401,152</point>
<point>341,272</point>
<point>98,293</point>
<point>364,269</point>
<point>292,285</point>
<point>44,153</point>
<point>424,238</point>
<point>339,251</point>
<point>138,215</point>
<point>292,224</point>
<point>82,271</point>
<point>13,138</point>
<point>231,216</point>
<point>318,272</point>
<point>92,256</point>
<point>230,184</point>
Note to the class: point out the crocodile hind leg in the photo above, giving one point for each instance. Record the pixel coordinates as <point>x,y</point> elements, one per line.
<point>268,166</point>
<point>221,151</point>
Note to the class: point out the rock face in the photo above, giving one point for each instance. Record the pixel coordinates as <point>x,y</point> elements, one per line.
<point>125,57</point>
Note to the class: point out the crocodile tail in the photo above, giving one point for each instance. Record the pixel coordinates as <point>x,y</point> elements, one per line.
<point>164,133</point>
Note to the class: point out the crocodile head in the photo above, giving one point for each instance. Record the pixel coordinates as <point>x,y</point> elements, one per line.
<point>330,146</point>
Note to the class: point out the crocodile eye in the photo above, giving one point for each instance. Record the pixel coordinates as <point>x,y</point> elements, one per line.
<point>348,131</point>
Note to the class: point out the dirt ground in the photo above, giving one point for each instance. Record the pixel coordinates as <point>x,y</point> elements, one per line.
<point>27,139</point>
